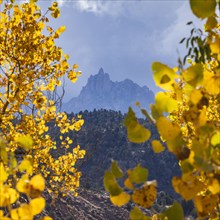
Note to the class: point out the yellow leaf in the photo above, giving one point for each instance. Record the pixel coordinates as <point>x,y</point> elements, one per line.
<point>206,204</point>
<point>46,218</point>
<point>37,182</point>
<point>24,141</point>
<point>167,130</point>
<point>193,75</point>
<point>61,29</point>
<point>214,186</point>
<point>136,132</point>
<point>128,184</point>
<point>13,195</point>
<point>37,205</point>
<point>157,146</point>
<point>211,82</point>
<point>24,212</point>
<point>195,96</point>
<point>203,8</point>
<point>121,199</point>
<point>164,103</point>
<point>145,196</point>
<point>3,174</point>
<point>163,75</point>
<point>188,186</point>
<point>75,66</point>
<point>215,140</point>
<point>26,165</point>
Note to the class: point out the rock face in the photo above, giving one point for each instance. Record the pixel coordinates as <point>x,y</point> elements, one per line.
<point>102,93</point>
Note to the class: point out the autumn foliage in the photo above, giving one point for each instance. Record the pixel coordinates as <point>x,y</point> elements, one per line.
<point>31,70</point>
<point>186,115</point>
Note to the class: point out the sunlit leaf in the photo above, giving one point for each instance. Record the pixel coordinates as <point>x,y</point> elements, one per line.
<point>37,205</point>
<point>24,141</point>
<point>203,8</point>
<point>193,75</point>
<point>128,184</point>
<point>163,75</point>
<point>167,129</point>
<point>164,103</point>
<point>145,196</point>
<point>215,140</point>
<point>157,146</point>
<point>3,173</point>
<point>136,132</point>
<point>121,199</point>
<point>37,182</point>
<point>188,186</point>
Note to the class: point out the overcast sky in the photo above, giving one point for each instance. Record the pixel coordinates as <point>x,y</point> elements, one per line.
<point>124,37</point>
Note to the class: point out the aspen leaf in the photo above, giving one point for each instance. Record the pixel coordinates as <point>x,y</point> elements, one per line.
<point>164,103</point>
<point>203,8</point>
<point>214,186</point>
<point>187,186</point>
<point>128,184</point>
<point>61,29</point>
<point>193,75</point>
<point>111,185</point>
<point>145,196</point>
<point>137,214</point>
<point>3,174</point>
<point>195,96</point>
<point>24,141</point>
<point>167,130</point>
<point>138,174</point>
<point>215,140</point>
<point>211,82</point>
<point>136,132</point>
<point>121,199</point>
<point>116,171</point>
<point>37,182</point>
<point>206,204</point>
<point>26,165</point>
<point>13,195</point>
<point>163,75</point>
<point>46,218</point>
<point>157,146</point>
<point>175,212</point>
<point>37,205</point>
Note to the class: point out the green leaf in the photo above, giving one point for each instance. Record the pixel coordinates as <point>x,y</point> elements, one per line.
<point>163,75</point>
<point>116,171</point>
<point>175,212</point>
<point>136,132</point>
<point>121,199</point>
<point>139,174</point>
<point>193,75</point>
<point>137,214</point>
<point>110,184</point>
<point>203,8</point>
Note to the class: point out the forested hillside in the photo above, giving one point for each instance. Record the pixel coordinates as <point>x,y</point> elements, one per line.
<point>104,138</point>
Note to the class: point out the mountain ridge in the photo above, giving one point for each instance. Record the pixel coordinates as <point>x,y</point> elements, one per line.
<point>101,92</point>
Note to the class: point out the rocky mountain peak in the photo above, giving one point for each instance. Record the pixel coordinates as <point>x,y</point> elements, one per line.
<point>101,92</point>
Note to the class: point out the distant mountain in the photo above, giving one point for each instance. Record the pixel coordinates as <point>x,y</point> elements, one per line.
<point>102,93</point>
